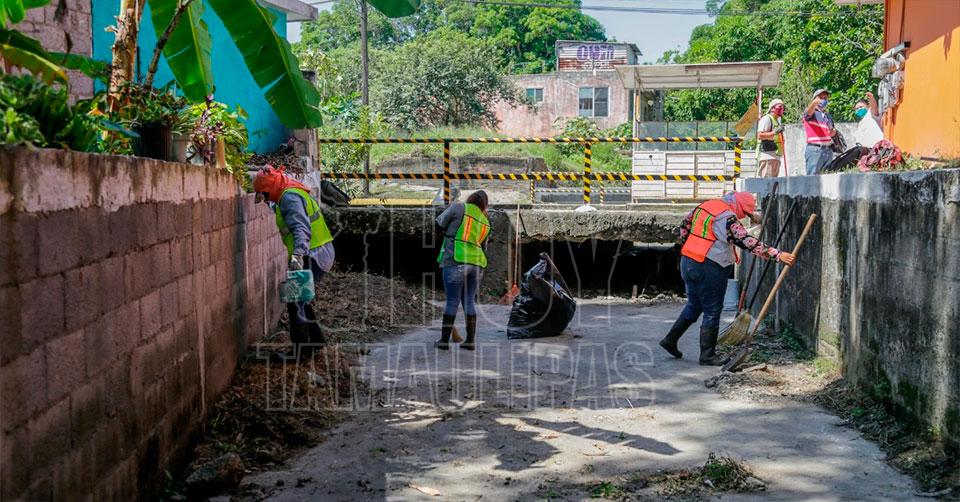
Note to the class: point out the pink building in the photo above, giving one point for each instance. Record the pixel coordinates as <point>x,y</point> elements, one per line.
<point>586,85</point>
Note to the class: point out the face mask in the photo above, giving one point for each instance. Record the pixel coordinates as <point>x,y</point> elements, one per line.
<point>861,112</point>
<point>823,104</point>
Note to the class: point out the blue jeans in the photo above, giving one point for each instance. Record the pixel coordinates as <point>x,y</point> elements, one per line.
<point>460,284</point>
<point>817,157</point>
<point>706,284</point>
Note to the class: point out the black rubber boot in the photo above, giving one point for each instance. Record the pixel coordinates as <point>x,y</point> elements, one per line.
<point>470,342</point>
<point>669,342</point>
<point>446,329</point>
<point>708,347</point>
<point>297,339</point>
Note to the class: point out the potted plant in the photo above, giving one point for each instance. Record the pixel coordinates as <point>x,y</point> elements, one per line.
<point>152,114</point>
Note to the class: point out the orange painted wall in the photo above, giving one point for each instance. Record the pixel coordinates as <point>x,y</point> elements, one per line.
<point>927,120</point>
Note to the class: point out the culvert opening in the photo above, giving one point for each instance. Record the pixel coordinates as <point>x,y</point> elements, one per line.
<point>591,268</point>
<point>611,268</point>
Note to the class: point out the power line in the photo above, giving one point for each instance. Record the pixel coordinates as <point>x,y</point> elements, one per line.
<point>658,10</point>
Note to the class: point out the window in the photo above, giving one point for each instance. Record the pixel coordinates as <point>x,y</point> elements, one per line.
<point>535,95</point>
<point>594,102</point>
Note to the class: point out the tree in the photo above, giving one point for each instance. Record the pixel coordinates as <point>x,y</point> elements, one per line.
<point>445,78</point>
<point>834,48</point>
<point>524,37</point>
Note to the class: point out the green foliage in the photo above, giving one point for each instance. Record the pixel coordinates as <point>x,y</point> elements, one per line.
<point>348,118</point>
<point>605,156</point>
<point>15,10</point>
<point>524,38</point>
<point>146,105</point>
<point>188,49</point>
<point>39,114</point>
<point>396,8</point>
<point>271,63</point>
<point>21,51</point>
<point>829,51</point>
<point>445,78</point>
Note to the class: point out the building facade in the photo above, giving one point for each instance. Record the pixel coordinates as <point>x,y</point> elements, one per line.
<point>585,85</point>
<point>925,119</point>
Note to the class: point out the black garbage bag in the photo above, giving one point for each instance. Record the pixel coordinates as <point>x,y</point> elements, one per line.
<point>332,196</point>
<point>544,306</point>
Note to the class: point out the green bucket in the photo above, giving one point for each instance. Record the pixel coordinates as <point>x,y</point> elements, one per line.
<point>298,287</point>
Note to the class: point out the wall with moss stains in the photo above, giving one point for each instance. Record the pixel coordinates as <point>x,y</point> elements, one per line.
<point>877,285</point>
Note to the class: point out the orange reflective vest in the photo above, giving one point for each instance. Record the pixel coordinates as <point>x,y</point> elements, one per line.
<point>701,237</point>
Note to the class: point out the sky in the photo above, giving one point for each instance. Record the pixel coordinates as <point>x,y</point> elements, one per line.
<point>652,33</point>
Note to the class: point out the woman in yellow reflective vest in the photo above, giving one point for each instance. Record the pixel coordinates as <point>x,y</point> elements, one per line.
<point>708,235</point>
<point>307,239</point>
<point>465,229</point>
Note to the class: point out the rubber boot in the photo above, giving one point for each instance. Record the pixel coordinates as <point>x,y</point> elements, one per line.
<point>708,347</point>
<point>446,329</point>
<point>297,339</point>
<point>669,342</point>
<point>470,342</point>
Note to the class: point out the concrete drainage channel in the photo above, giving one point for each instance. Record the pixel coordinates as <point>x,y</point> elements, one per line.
<point>591,268</point>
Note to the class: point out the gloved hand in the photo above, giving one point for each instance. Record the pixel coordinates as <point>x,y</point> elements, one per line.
<point>296,263</point>
<point>778,130</point>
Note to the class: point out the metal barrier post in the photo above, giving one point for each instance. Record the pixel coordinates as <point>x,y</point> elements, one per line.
<point>587,168</point>
<point>602,191</point>
<point>446,173</point>
<point>737,151</point>
<point>533,192</point>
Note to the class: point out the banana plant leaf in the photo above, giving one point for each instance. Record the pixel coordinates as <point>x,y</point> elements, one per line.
<point>395,8</point>
<point>271,62</point>
<point>15,10</point>
<point>188,49</point>
<point>19,50</point>
<point>97,70</point>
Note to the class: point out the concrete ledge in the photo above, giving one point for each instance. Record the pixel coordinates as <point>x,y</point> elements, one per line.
<point>860,186</point>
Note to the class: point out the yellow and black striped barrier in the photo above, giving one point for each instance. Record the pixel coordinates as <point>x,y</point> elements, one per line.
<point>604,139</point>
<point>587,177</point>
<point>558,176</point>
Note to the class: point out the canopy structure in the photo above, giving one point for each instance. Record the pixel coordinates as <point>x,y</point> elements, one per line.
<point>755,74</point>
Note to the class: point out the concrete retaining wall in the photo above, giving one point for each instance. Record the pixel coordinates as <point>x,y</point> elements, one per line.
<point>878,283</point>
<point>128,290</point>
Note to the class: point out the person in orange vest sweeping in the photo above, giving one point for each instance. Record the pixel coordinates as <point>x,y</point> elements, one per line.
<point>708,236</point>
<point>465,229</point>
<point>307,239</point>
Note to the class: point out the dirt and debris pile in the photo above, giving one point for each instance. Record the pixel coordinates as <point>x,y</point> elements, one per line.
<point>274,408</point>
<point>781,368</point>
<point>719,474</point>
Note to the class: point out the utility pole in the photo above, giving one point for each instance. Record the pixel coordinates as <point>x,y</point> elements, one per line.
<point>365,88</point>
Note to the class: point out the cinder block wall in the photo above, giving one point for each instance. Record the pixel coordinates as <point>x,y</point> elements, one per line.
<point>129,288</point>
<point>64,26</point>
<point>877,285</point>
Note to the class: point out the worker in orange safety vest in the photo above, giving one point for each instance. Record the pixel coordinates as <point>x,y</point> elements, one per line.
<point>708,236</point>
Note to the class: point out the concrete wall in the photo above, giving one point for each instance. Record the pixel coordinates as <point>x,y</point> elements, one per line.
<point>233,82</point>
<point>560,101</point>
<point>878,283</point>
<point>128,290</point>
<point>64,30</point>
<point>796,142</point>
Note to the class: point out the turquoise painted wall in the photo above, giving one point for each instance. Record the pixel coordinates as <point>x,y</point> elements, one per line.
<point>234,84</point>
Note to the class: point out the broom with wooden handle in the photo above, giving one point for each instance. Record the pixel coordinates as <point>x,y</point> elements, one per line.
<point>736,331</point>
<point>742,354</point>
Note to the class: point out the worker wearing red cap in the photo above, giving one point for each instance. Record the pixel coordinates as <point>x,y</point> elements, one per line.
<point>708,236</point>
<point>307,239</point>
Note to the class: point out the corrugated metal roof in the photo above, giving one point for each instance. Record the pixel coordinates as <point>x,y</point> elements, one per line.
<point>701,76</point>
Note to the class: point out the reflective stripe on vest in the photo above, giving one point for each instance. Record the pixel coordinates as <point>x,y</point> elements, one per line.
<point>467,243</point>
<point>701,237</point>
<point>817,133</point>
<point>319,233</point>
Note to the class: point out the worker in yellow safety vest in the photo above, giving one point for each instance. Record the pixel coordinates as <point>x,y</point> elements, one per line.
<point>708,236</point>
<point>307,239</point>
<point>465,229</point>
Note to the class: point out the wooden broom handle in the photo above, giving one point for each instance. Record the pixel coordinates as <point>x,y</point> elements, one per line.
<point>783,274</point>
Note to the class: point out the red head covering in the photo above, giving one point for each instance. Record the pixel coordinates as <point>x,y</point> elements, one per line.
<point>741,203</point>
<point>274,181</point>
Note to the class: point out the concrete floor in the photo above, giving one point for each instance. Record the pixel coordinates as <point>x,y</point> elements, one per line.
<point>516,419</point>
